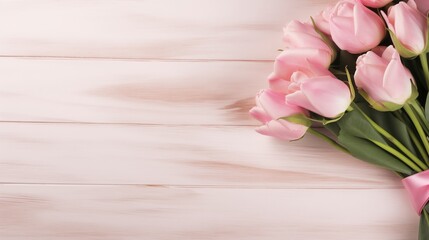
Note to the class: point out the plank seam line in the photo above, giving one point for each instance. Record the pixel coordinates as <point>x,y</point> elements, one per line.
<point>192,186</point>
<point>136,59</point>
<point>130,123</point>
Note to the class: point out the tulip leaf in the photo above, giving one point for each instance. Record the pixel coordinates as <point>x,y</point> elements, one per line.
<point>334,128</point>
<point>355,124</point>
<point>402,50</point>
<point>367,151</point>
<point>427,108</point>
<point>394,126</point>
<point>424,224</point>
<point>351,86</point>
<point>306,121</point>
<point>298,119</point>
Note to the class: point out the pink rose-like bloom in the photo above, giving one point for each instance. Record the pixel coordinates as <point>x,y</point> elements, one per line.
<point>375,3</point>
<point>383,77</point>
<point>422,5</point>
<point>270,106</point>
<point>322,94</point>
<point>355,28</point>
<point>408,24</point>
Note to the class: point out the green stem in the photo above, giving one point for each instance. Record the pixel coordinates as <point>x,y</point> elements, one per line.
<point>392,139</point>
<point>417,125</point>
<point>327,139</point>
<point>413,137</point>
<point>419,146</point>
<point>399,155</point>
<point>420,114</point>
<point>424,62</point>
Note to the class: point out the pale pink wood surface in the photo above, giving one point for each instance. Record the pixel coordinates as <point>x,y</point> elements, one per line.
<point>176,155</point>
<point>130,212</point>
<point>185,29</point>
<point>128,120</point>
<point>151,92</point>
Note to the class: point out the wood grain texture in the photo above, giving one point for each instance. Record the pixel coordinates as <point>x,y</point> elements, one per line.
<point>185,29</point>
<point>106,212</point>
<point>127,119</point>
<point>150,92</point>
<point>176,155</point>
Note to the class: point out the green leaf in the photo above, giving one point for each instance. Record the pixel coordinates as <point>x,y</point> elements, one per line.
<point>367,151</point>
<point>355,124</point>
<point>352,88</point>
<point>333,128</point>
<point>427,108</point>
<point>424,224</point>
<point>394,126</point>
<point>306,121</point>
<point>298,119</point>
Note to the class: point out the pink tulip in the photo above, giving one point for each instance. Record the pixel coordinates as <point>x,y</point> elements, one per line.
<point>422,5</point>
<point>294,59</point>
<point>375,3</point>
<point>270,106</point>
<point>298,35</point>
<point>384,79</point>
<point>322,20</point>
<point>408,25</point>
<point>355,28</point>
<point>322,94</point>
<point>280,80</point>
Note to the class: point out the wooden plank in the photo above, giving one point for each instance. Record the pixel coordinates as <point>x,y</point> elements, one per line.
<point>185,29</point>
<point>105,212</point>
<point>176,155</point>
<point>129,91</point>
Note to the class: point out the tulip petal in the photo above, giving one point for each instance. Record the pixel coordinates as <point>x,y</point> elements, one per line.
<point>260,115</point>
<point>274,104</point>
<point>291,60</point>
<point>330,97</point>
<point>278,84</point>
<point>283,130</point>
<point>397,81</point>
<point>409,26</point>
<point>298,98</point>
<point>365,22</point>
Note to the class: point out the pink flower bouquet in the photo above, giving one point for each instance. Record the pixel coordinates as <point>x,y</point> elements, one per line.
<point>357,76</point>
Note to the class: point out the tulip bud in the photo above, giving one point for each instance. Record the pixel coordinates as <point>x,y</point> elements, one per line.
<point>322,20</point>
<point>322,94</point>
<point>280,80</point>
<point>375,3</point>
<point>423,6</point>
<point>383,81</point>
<point>292,60</point>
<point>355,28</point>
<point>270,107</point>
<point>408,28</point>
<point>298,35</point>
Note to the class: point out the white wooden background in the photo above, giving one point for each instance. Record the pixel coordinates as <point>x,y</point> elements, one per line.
<point>127,119</point>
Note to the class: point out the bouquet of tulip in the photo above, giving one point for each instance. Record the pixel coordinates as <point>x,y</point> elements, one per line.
<point>357,76</point>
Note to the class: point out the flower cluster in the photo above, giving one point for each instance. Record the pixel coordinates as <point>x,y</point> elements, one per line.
<point>358,69</point>
<point>304,81</point>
